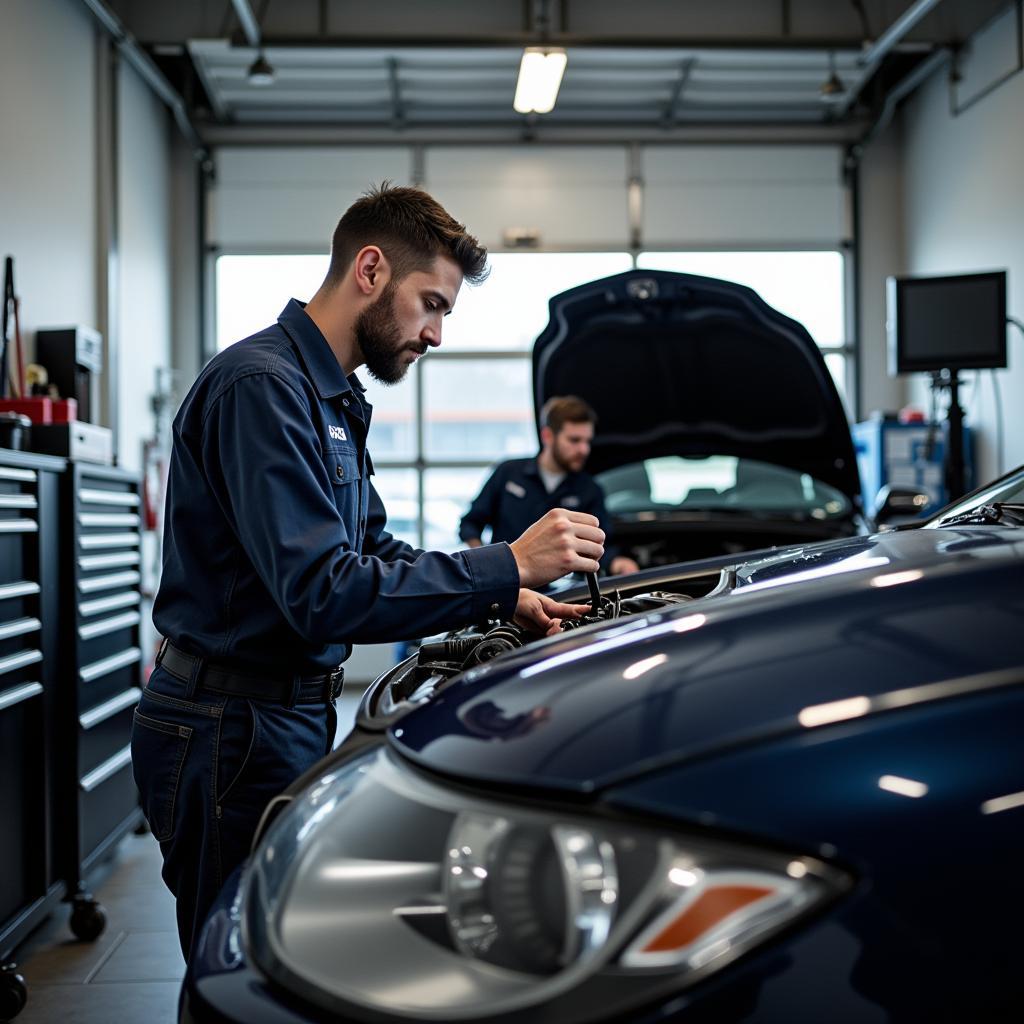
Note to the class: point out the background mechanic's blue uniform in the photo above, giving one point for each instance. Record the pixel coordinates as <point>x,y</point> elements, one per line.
<point>276,560</point>
<point>515,497</point>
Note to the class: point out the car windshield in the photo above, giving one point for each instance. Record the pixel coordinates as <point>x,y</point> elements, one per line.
<point>718,483</point>
<point>999,503</point>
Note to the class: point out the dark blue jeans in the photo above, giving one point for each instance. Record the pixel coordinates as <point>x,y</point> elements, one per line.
<point>206,768</point>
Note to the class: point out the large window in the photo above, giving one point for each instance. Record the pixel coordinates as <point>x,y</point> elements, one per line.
<point>469,404</point>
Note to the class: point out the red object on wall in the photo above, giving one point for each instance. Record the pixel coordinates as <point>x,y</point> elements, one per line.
<point>38,410</point>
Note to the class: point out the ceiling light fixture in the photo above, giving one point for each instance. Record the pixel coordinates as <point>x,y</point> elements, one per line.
<point>261,72</point>
<point>540,75</point>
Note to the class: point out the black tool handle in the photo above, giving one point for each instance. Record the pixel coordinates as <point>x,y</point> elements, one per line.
<point>595,591</point>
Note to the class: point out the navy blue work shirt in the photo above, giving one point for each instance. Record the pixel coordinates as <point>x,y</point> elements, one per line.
<point>276,555</point>
<point>515,497</point>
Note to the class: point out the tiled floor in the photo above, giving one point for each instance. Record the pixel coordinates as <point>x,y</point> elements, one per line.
<point>131,974</point>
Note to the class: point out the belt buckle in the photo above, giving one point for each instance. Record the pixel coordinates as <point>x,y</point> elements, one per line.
<point>336,682</point>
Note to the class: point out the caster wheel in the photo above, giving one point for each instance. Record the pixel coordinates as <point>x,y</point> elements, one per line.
<point>88,919</point>
<point>13,992</point>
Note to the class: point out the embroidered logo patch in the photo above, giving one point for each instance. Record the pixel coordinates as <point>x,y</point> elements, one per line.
<point>337,433</point>
<point>513,488</point>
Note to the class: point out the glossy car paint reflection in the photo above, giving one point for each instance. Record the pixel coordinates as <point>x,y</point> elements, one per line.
<point>756,657</point>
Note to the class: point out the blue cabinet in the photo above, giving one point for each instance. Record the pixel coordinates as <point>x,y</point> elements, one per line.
<point>906,455</point>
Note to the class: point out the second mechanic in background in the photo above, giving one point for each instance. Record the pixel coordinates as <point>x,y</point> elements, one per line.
<point>519,491</point>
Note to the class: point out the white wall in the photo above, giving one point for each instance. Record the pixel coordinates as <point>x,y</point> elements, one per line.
<point>144,290</point>
<point>964,211</point>
<point>48,161</point>
<point>49,219</point>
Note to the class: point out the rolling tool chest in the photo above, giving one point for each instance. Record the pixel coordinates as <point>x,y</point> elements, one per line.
<point>98,673</point>
<point>70,663</point>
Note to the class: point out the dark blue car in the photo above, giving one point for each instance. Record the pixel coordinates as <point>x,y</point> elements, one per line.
<point>783,788</point>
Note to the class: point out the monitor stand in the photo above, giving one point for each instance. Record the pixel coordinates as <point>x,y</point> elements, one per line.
<point>949,380</point>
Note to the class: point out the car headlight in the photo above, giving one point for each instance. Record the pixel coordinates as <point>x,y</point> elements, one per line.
<point>379,890</point>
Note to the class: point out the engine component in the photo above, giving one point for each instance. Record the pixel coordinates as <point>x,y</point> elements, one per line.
<point>506,637</point>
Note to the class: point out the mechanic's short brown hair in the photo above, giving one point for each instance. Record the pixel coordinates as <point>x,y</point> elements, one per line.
<point>411,228</point>
<point>562,409</point>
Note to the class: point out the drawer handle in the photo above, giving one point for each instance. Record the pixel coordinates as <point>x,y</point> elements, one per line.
<point>108,604</point>
<point>23,588</point>
<point>19,660</point>
<point>18,526</point>
<point>18,501</point>
<point>109,708</point>
<point>110,767</point>
<point>110,625</point>
<point>97,497</point>
<point>108,540</point>
<point>18,694</point>
<point>87,673</point>
<point>109,561</point>
<point>115,579</point>
<point>18,627</point>
<point>107,519</point>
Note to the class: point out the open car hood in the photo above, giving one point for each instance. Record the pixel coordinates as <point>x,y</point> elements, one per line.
<point>676,364</point>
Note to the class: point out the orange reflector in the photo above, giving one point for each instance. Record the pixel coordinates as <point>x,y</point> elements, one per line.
<point>704,913</point>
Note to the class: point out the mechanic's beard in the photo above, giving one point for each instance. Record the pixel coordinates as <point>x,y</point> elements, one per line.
<point>564,464</point>
<point>379,338</point>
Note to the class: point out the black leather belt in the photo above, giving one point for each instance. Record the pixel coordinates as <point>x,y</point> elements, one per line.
<point>215,678</point>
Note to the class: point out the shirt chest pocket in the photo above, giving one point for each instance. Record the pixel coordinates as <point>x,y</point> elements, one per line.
<point>349,492</point>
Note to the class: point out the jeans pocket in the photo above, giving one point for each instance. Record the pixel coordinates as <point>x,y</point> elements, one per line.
<point>239,736</point>
<point>158,753</point>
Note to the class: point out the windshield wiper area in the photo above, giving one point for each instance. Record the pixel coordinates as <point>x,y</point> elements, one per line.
<point>999,513</point>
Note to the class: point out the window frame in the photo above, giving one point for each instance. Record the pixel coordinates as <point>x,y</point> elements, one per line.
<point>419,462</point>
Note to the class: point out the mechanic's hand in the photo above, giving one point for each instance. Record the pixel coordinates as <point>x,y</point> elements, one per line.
<point>622,565</point>
<point>558,543</point>
<point>540,614</point>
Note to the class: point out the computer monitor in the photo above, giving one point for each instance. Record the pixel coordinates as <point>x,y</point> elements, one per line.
<point>947,323</point>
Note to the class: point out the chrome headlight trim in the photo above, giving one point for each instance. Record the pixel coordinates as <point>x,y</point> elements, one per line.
<point>380,893</point>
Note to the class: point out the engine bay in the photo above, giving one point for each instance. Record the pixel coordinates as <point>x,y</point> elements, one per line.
<point>419,677</point>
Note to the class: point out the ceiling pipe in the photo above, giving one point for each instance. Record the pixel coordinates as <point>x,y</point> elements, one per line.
<point>247,19</point>
<point>903,88</point>
<point>133,53</point>
<point>894,33</point>
<point>517,40</point>
<point>874,54</point>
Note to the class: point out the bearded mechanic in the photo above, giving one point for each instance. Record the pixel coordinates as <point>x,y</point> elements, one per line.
<point>276,552</point>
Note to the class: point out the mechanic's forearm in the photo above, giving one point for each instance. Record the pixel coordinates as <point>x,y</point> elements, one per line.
<point>358,599</point>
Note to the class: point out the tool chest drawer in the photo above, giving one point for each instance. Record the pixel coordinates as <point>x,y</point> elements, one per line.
<point>108,804</point>
<point>104,729</point>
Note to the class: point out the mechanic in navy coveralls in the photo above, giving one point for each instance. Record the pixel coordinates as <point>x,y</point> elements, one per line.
<point>276,552</point>
<point>521,490</point>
